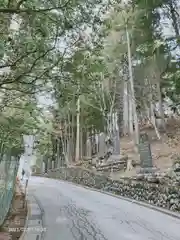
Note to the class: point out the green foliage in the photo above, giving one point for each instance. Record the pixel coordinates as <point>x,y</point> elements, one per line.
<point>32,49</point>
<point>32,61</point>
<point>15,121</point>
<point>94,54</point>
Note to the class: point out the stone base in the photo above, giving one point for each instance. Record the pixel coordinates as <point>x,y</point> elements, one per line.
<point>118,158</point>
<point>87,158</point>
<point>147,170</point>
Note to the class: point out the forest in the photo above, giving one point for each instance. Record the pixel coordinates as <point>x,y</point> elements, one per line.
<point>106,66</point>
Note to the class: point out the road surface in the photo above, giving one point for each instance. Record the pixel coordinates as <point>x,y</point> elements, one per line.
<point>75,213</point>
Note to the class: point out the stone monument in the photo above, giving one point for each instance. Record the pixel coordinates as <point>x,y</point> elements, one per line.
<point>88,149</point>
<point>102,145</point>
<point>146,161</point>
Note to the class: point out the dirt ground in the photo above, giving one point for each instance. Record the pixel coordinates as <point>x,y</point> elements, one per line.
<point>16,217</point>
<point>164,151</point>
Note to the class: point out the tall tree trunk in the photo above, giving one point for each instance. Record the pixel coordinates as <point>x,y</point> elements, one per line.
<point>160,105</point>
<point>119,98</point>
<point>84,142</point>
<point>153,120</point>
<point>116,138</point>
<point>135,118</point>
<point>126,110</point>
<point>80,144</point>
<point>54,150</point>
<point>131,131</point>
<point>58,153</point>
<point>73,136</point>
<point>152,115</point>
<point>88,145</point>
<point>77,156</point>
<point>70,139</point>
<point>66,143</point>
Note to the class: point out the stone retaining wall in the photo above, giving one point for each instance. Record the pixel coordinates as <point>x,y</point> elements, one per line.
<point>160,194</point>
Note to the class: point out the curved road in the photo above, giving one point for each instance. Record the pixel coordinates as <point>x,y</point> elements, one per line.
<point>75,213</point>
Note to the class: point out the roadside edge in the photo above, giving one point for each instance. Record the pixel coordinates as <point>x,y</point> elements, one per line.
<point>27,217</point>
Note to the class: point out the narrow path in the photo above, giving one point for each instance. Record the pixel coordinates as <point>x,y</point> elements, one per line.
<point>75,213</point>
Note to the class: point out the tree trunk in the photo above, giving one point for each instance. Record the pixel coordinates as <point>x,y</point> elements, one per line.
<point>152,115</point>
<point>161,111</point>
<point>131,131</point>
<point>135,118</point>
<point>125,110</point>
<point>73,136</point>
<point>77,156</point>
<point>58,152</point>
<point>69,140</point>
<point>153,121</point>
<point>88,146</point>
<point>116,139</point>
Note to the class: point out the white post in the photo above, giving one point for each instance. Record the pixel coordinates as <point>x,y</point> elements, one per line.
<point>28,156</point>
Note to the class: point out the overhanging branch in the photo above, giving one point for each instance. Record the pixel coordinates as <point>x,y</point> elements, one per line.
<point>19,10</point>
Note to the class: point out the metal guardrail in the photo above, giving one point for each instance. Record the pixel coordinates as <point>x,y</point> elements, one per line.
<point>8,172</point>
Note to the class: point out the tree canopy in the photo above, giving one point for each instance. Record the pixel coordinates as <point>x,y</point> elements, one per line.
<point>85,55</point>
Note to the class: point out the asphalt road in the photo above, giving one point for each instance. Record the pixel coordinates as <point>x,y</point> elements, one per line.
<point>75,213</point>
